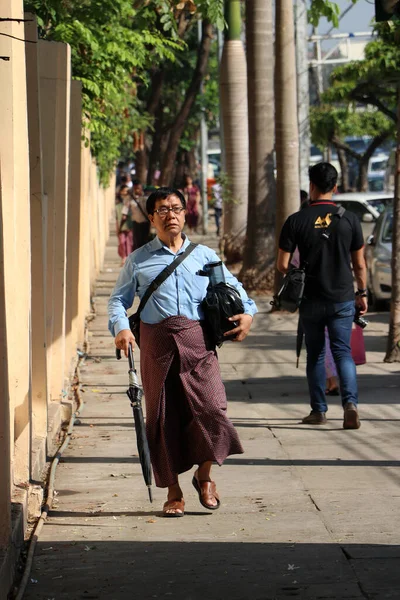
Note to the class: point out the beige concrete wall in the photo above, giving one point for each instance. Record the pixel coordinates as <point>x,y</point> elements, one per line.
<point>55,75</point>
<point>5,455</point>
<point>14,167</point>
<point>85,240</point>
<point>37,266</point>
<point>74,226</point>
<point>38,242</point>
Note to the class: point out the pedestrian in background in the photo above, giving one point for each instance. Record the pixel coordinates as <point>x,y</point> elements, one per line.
<point>140,220</point>
<point>123,223</point>
<point>218,200</point>
<point>186,420</point>
<point>329,299</point>
<point>192,194</point>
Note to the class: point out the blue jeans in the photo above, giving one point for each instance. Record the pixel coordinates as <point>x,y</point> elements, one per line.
<point>338,318</point>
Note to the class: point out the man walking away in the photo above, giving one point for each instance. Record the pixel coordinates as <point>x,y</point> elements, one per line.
<point>329,290</point>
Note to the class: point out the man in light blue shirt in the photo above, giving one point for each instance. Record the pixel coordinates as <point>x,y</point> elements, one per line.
<point>185,399</point>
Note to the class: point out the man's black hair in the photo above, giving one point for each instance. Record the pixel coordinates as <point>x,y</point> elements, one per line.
<point>324,176</point>
<point>161,194</point>
<point>136,182</point>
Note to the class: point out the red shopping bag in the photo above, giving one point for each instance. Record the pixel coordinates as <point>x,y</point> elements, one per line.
<point>358,345</point>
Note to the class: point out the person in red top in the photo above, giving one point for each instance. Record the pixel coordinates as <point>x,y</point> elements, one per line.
<point>192,195</point>
<point>329,299</point>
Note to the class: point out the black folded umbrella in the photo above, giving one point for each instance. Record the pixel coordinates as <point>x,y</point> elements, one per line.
<point>135,394</point>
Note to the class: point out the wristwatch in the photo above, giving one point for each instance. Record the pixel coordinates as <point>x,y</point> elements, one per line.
<point>362,293</point>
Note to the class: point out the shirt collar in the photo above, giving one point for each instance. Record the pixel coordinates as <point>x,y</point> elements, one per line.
<point>157,244</point>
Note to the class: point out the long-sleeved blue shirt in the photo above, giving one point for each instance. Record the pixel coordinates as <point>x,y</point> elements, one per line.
<point>180,294</point>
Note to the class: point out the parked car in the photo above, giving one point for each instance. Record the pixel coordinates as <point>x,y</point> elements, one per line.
<point>366,205</point>
<point>376,172</point>
<point>390,172</point>
<point>378,256</point>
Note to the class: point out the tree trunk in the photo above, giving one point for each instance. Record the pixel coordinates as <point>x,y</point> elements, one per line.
<point>362,180</point>
<point>155,152</point>
<point>190,97</point>
<point>233,93</point>
<point>286,127</point>
<point>393,343</point>
<point>303,90</point>
<point>344,168</point>
<point>141,165</point>
<point>259,252</point>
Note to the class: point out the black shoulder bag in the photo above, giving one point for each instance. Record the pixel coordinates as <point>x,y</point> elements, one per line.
<point>291,293</point>
<point>134,320</point>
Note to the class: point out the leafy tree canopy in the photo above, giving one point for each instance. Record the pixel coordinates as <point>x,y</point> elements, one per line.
<point>113,45</point>
<point>374,80</point>
<point>330,123</point>
<point>324,8</point>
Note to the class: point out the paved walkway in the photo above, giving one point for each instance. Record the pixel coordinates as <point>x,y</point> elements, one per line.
<point>306,512</point>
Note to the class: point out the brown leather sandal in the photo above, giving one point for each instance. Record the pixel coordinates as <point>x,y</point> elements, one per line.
<point>205,489</point>
<point>176,505</point>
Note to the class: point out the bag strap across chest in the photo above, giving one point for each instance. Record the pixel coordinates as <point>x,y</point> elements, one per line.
<point>326,234</point>
<point>165,273</point>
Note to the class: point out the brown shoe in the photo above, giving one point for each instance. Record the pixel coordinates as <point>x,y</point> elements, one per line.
<point>315,418</point>
<point>351,420</point>
<point>174,508</point>
<point>207,492</point>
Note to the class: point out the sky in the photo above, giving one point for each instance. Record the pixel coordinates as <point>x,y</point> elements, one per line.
<point>357,19</point>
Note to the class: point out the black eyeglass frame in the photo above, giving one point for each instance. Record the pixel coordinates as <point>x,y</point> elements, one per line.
<point>164,210</point>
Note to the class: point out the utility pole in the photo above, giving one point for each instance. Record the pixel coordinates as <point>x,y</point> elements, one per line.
<point>203,153</point>
<point>220,43</point>
<point>303,91</point>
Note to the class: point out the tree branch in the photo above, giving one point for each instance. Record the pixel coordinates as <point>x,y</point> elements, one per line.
<point>343,146</point>
<point>365,98</point>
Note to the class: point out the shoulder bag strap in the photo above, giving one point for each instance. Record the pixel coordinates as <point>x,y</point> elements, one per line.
<point>325,237</point>
<point>141,209</point>
<point>165,273</point>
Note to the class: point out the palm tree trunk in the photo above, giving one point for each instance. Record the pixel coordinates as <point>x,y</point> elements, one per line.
<point>286,126</point>
<point>393,343</point>
<point>233,92</point>
<point>259,252</point>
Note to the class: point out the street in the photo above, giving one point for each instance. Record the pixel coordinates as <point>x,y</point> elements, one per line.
<point>307,512</point>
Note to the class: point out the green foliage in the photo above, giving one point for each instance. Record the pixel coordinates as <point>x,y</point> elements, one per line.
<point>329,122</point>
<point>112,45</point>
<point>324,8</point>
<point>371,82</point>
<point>374,80</point>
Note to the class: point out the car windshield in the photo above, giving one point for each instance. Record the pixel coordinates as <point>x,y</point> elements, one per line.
<point>388,229</point>
<point>379,165</point>
<point>376,185</point>
<point>379,203</point>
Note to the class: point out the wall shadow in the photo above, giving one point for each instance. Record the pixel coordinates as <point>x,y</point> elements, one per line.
<point>116,570</point>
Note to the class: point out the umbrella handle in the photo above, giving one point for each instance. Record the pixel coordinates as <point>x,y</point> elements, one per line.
<point>130,356</point>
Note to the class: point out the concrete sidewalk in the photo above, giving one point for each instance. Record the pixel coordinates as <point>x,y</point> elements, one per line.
<point>307,512</point>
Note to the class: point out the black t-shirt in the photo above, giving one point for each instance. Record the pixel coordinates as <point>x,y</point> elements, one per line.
<point>331,277</point>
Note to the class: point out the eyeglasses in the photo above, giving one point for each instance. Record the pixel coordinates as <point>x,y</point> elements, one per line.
<point>164,210</point>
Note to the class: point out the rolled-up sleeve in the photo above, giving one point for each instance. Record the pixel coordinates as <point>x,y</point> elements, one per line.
<point>122,298</point>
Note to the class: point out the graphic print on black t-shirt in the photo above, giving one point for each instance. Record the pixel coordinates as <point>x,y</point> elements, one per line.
<point>331,279</point>
<point>323,222</point>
